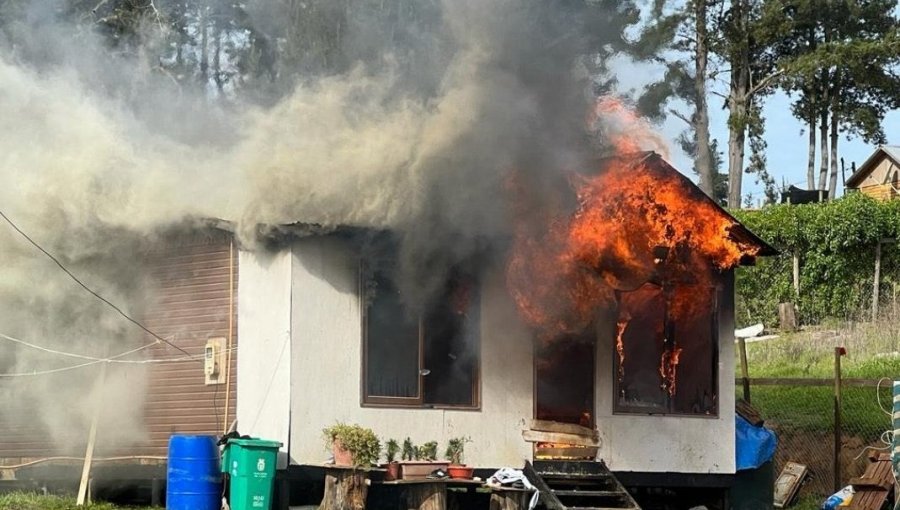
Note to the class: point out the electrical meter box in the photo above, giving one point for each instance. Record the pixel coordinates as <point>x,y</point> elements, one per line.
<point>214,361</point>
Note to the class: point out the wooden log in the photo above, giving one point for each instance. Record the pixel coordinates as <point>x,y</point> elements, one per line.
<point>426,496</point>
<point>536,436</point>
<point>345,490</point>
<point>510,500</point>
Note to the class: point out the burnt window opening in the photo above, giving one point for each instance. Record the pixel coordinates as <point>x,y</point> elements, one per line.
<point>564,379</point>
<point>666,351</point>
<point>429,358</point>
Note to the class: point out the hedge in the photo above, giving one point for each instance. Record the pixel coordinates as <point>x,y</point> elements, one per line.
<point>835,242</point>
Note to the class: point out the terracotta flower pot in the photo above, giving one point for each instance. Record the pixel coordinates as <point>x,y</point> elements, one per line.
<point>342,456</point>
<point>393,471</point>
<point>459,472</point>
<point>417,470</point>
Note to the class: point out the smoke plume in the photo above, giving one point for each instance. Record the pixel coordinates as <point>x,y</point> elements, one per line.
<point>414,130</point>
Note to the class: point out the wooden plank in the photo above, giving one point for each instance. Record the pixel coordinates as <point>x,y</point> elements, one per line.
<point>564,428</point>
<point>550,501</point>
<point>808,381</point>
<point>568,453</point>
<point>748,412</point>
<point>83,492</point>
<point>536,436</point>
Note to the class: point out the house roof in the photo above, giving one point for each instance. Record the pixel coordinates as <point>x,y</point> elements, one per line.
<point>891,152</point>
<point>740,233</point>
<point>278,233</point>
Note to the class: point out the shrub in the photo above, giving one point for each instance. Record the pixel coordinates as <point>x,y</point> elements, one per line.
<point>361,442</point>
<point>835,242</point>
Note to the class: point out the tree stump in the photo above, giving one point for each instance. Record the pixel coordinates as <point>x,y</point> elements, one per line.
<point>510,500</point>
<point>787,316</point>
<point>426,496</point>
<point>345,489</point>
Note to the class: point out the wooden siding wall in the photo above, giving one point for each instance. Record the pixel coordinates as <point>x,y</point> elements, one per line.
<point>880,191</point>
<point>191,304</point>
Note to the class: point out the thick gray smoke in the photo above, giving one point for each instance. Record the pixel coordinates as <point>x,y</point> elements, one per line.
<point>415,132</point>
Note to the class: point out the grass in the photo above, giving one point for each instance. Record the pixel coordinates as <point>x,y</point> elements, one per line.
<point>872,353</point>
<point>32,501</point>
<point>803,415</point>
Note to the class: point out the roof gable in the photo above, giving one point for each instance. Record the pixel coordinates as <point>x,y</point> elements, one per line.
<point>883,151</point>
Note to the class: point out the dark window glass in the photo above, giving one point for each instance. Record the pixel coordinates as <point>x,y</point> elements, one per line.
<point>430,359</point>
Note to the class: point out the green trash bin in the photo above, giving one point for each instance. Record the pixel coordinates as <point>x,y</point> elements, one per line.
<point>250,466</point>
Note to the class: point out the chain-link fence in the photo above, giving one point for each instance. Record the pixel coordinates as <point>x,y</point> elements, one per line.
<point>802,414</point>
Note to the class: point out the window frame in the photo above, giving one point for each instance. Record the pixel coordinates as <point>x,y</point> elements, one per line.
<point>623,410</point>
<point>418,402</point>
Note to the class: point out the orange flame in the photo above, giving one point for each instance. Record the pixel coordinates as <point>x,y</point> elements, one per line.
<point>634,221</point>
<point>620,348</point>
<point>668,367</point>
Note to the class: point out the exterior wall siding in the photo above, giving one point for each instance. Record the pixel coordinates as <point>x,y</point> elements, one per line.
<point>190,303</point>
<point>326,368</point>
<point>674,444</point>
<point>264,355</point>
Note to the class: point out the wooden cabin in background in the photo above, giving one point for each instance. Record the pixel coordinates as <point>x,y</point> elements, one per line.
<point>878,176</point>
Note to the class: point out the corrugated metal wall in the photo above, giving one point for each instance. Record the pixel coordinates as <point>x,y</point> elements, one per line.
<point>190,304</point>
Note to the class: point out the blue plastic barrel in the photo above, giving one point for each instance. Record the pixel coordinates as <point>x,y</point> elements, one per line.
<point>193,481</point>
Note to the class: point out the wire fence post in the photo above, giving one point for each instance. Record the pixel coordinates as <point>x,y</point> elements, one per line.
<point>838,352</point>
<point>745,376</point>
<point>895,442</point>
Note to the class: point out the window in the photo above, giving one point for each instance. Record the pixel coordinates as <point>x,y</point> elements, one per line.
<point>425,359</point>
<point>666,351</point>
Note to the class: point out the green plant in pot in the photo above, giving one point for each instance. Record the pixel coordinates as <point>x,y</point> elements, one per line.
<point>392,448</point>
<point>428,451</point>
<point>455,449</point>
<point>353,445</point>
<point>419,461</point>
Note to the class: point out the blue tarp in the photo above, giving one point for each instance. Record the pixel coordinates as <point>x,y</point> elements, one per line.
<point>754,445</point>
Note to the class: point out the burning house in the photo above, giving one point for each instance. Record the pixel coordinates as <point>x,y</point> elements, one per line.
<point>612,323</point>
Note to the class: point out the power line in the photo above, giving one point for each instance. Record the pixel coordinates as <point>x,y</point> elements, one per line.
<point>111,359</point>
<point>85,287</point>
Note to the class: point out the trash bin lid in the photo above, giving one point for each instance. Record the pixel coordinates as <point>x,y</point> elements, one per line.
<point>264,443</point>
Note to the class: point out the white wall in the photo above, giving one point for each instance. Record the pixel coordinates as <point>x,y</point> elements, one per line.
<point>670,444</point>
<point>299,371</point>
<point>264,346</point>
<point>326,368</point>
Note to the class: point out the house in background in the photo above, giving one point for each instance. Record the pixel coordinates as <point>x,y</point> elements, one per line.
<point>878,176</point>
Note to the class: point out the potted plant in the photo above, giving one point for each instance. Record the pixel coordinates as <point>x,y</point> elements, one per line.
<point>428,452</point>
<point>409,450</point>
<point>454,453</point>
<point>353,445</point>
<point>392,448</point>
<point>419,461</point>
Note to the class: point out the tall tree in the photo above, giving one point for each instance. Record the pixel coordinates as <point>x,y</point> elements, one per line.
<point>745,48</point>
<point>680,40</point>
<point>843,65</point>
